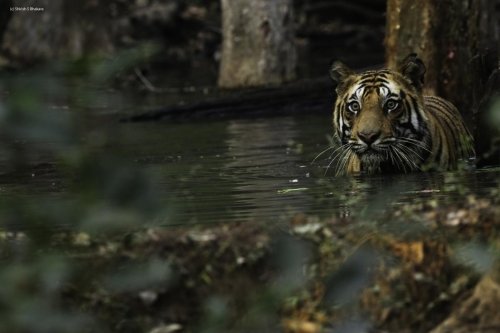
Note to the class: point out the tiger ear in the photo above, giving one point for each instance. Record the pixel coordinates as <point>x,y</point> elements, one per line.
<point>339,72</point>
<point>414,69</point>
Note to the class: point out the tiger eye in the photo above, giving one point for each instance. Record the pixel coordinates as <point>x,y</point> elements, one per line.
<point>391,105</point>
<point>353,107</point>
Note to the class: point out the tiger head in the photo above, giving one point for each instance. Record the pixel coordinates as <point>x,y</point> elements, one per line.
<point>378,117</point>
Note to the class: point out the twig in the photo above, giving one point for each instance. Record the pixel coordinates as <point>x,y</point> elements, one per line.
<point>145,81</point>
<point>152,88</point>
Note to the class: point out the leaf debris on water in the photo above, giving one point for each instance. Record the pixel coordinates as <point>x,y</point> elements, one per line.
<point>288,190</point>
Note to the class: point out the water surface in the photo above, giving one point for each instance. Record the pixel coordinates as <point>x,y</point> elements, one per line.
<point>244,170</point>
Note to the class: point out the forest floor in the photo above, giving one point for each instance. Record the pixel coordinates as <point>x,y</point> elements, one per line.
<point>409,271</point>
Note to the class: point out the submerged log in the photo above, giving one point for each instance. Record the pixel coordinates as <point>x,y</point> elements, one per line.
<point>305,96</point>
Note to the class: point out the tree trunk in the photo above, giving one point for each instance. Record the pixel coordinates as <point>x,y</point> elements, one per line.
<point>258,43</point>
<point>458,42</point>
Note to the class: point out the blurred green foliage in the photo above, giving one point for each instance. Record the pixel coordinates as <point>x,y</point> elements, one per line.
<point>65,251</point>
<point>43,114</point>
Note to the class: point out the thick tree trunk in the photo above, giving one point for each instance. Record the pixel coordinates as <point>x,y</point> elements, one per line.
<point>258,43</point>
<point>458,42</point>
<point>456,39</point>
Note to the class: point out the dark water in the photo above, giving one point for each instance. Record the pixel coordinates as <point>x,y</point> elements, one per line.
<point>251,170</point>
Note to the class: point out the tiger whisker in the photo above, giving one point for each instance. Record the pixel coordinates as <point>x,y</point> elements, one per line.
<point>410,151</point>
<point>391,155</point>
<point>412,147</point>
<point>329,164</point>
<point>400,156</point>
<point>340,157</point>
<point>339,152</point>
<point>324,151</point>
<point>345,160</point>
<point>417,143</point>
<point>413,143</point>
<point>404,158</point>
<point>404,154</point>
<point>336,151</point>
<point>413,151</point>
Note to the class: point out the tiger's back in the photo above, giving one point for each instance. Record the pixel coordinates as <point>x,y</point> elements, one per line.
<point>451,141</point>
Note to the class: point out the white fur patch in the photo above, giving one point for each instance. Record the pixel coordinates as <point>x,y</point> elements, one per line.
<point>384,92</point>
<point>341,122</point>
<point>392,88</point>
<point>414,119</point>
<point>359,93</point>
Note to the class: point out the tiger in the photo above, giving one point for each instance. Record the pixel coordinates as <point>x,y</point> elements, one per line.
<point>384,123</point>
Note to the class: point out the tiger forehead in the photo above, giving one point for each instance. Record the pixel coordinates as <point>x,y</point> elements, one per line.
<point>380,82</point>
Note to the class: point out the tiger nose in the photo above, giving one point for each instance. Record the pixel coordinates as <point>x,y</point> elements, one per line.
<point>369,137</point>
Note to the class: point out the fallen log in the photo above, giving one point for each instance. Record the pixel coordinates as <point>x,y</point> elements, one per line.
<point>304,96</point>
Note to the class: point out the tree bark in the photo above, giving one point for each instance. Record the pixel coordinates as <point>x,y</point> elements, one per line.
<point>258,43</point>
<point>457,40</point>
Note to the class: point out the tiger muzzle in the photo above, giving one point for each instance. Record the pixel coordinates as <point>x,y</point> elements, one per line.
<point>369,136</point>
